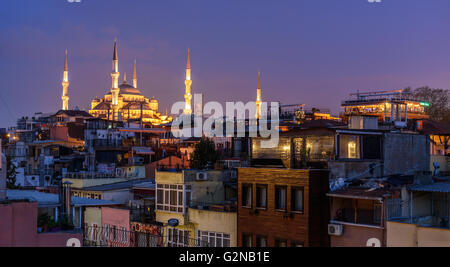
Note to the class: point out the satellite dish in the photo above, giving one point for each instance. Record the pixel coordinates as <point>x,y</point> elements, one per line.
<point>173,222</point>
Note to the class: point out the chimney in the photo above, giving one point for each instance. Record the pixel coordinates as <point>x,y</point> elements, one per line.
<point>2,174</point>
<point>66,205</point>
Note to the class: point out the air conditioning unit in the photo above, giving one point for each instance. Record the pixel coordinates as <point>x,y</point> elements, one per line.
<point>202,176</point>
<point>119,172</point>
<point>335,229</point>
<point>138,160</point>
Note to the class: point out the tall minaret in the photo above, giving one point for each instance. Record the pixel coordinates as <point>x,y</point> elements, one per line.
<point>115,82</point>
<point>188,83</point>
<point>134,75</point>
<point>258,97</point>
<point>65,86</point>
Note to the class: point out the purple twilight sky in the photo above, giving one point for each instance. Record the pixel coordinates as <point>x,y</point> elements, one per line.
<point>309,51</point>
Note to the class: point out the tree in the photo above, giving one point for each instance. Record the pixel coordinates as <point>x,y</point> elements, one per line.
<point>10,173</point>
<point>204,153</point>
<point>439,100</point>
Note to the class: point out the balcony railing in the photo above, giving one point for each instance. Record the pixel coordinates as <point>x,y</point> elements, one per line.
<point>113,237</point>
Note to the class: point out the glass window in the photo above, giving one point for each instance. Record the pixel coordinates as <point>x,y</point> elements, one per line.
<point>297,199</point>
<point>349,147</point>
<point>280,243</point>
<point>280,197</point>
<point>261,241</point>
<point>247,196</point>
<point>246,240</point>
<point>297,244</point>
<point>261,196</point>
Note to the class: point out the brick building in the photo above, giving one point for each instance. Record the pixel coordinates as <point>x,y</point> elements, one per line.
<point>282,207</point>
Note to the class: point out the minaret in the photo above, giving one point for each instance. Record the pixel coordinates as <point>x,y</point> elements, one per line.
<point>134,75</point>
<point>65,86</point>
<point>188,83</point>
<point>258,97</point>
<point>115,82</point>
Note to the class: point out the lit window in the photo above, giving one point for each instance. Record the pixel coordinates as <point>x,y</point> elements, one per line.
<point>349,146</point>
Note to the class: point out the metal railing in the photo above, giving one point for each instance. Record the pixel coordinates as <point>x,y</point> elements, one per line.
<point>115,237</point>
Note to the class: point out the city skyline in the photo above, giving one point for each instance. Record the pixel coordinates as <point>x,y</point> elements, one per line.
<point>306,51</point>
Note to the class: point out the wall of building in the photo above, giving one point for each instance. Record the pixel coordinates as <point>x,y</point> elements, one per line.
<point>406,152</point>
<point>165,177</point>
<point>121,196</point>
<point>93,215</point>
<point>18,228</point>
<point>358,236</point>
<point>411,235</point>
<point>116,217</point>
<point>216,221</point>
<point>2,176</point>
<point>165,216</point>
<point>345,169</point>
<point>80,183</point>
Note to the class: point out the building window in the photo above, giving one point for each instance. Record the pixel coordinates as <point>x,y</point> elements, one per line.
<point>247,196</point>
<point>280,197</point>
<point>297,199</point>
<point>171,197</point>
<point>247,240</point>
<point>213,239</point>
<point>349,147</point>
<point>94,231</point>
<point>106,231</point>
<point>297,244</point>
<point>280,243</point>
<point>261,196</point>
<point>261,241</point>
<point>114,233</point>
<point>177,238</point>
<point>123,232</point>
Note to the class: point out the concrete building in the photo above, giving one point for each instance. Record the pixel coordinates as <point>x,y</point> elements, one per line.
<point>422,218</point>
<point>177,193</point>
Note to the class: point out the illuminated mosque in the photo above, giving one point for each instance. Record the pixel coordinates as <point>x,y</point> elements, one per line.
<point>125,102</point>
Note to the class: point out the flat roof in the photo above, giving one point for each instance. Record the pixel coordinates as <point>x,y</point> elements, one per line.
<point>52,200</point>
<point>441,187</point>
<point>361,193</point>
<point>119,185</point>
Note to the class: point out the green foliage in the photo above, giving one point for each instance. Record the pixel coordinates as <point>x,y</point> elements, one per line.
<point>204,153</point>
<point>439,99</point>
<point>10,173</point>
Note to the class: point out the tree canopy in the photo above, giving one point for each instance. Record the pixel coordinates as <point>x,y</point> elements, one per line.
<point>204,153</point>
<point>439,100</point>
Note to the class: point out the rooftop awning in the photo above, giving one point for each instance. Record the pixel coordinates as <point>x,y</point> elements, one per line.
<point>143,150</point>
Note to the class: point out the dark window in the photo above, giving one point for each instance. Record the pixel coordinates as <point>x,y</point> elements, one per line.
<point>280,243</point>
<point>261,241</point>
<point>246,240</point>
<point>280,197</point>
<point>371,147</point>
<point>160,196</point>
<point>261,196</point>
<point>247,196</point>
<point>297,199</point>
<point>297,244</point>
